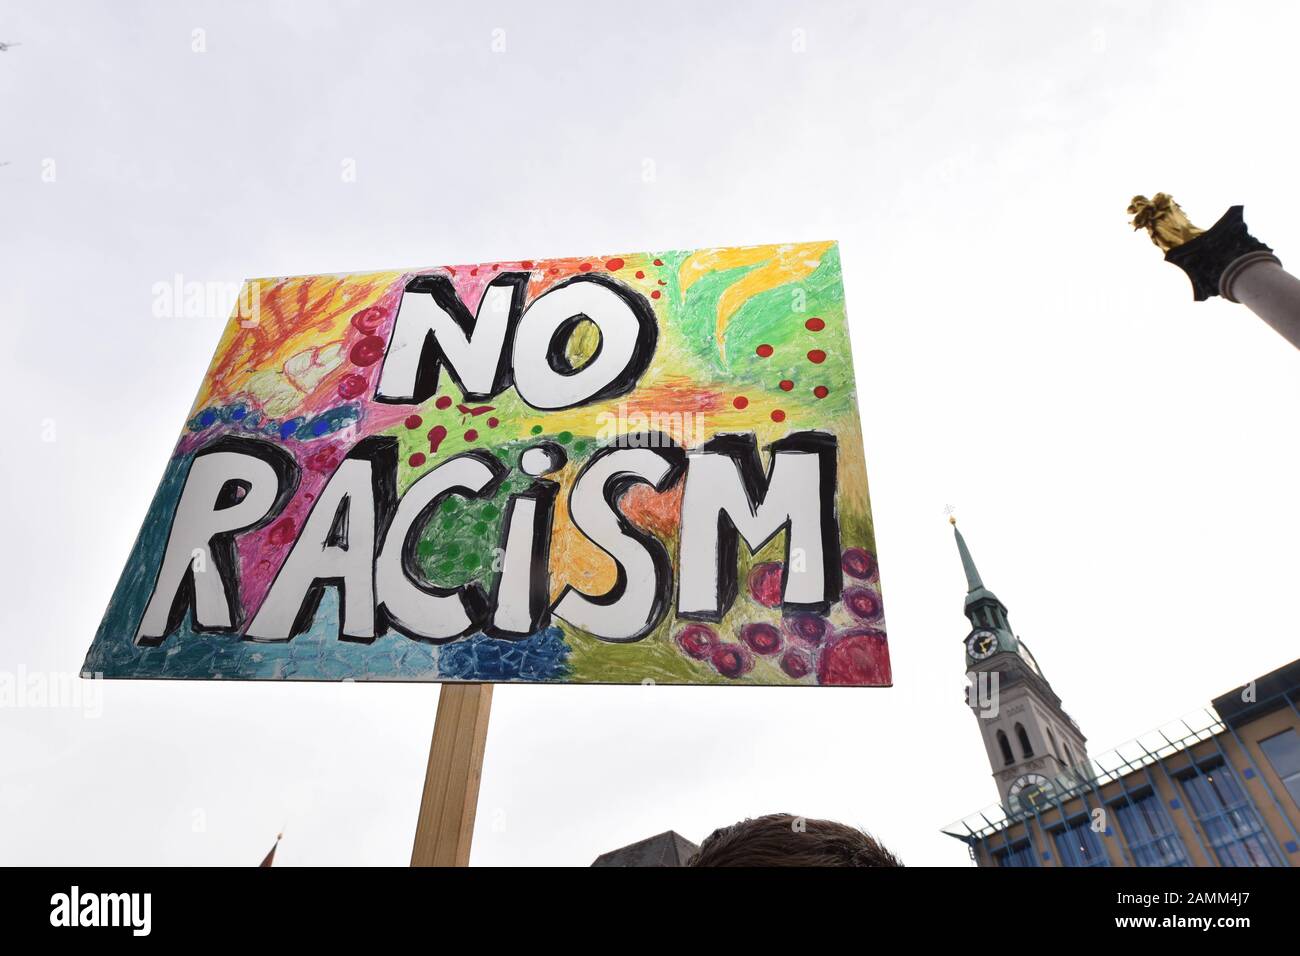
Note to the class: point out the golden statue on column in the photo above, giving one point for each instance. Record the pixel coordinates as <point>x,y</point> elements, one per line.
<point>1224,260</point>
<point>1163,219</point>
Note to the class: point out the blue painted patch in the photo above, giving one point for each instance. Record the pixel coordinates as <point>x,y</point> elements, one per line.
<point>326,423</point>
<point>301,428</point>
<point>1291,846</point>
<point>235,415</point>
<point>317,654</point>
<point>1248,773</point>
<point>538,657</point>
<point>1047,854</point>
<point>1175,804</point>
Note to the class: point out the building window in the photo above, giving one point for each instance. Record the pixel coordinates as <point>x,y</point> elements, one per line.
<point>1017,855</point>
<point>1229,819</point>
<point>1023,737</point>
<point>1077,844</point>
<point>1150,833</point>
<point>1051,739</point>
<point>1283,752</point>
<point>1008,757</point>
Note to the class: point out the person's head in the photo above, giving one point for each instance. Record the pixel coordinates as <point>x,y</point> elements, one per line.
<point>782,839</point>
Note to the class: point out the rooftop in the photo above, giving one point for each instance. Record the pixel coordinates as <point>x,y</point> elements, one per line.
<point>669,848</point>
<point>1275,689</point>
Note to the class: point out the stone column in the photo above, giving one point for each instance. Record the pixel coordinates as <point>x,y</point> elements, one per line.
<point>1258,281</point>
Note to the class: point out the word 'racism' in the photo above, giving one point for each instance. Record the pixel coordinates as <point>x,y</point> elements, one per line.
<point>361,536</point>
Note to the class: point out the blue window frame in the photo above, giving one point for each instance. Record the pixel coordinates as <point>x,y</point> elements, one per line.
<point>1150,833</point>
<point>1228,818</point>
<point>1283,752</point>
<point>1078,845</point>
<point>1017,855</point>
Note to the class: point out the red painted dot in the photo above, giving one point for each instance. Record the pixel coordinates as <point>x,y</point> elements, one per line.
<point>778,415</point>
<point>659,262</point>
<point>613,265</point>
<point>416,460</point>
<point>814,324</point>
<point>764,350</point>
<point>352,386</point>
<point>368,320</point>
<point>436,434</point>
<point>368,351</point>
<point>817,356</point>
<point>473,272</point>
<point>786,385</point>
<point>471,435</point>
<point>282,532</point>
<point>585,267</point>
<point>555,272</point>
<point>662,282</point>
<point>740,401</point>
<point>526,264</point>
<point>821,391</point>
<point>654,294</point>
<point>640,274</point>
<point>414,421</point>
<point>493,422</point>
<point>444,401</point>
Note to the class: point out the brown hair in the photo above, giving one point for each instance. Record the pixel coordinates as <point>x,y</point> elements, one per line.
<point>782,839</point>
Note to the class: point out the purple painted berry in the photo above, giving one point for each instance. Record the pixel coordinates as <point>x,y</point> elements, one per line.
<point>762,638</point>
<point>732,660</point>
<point>864,603</point>
<point>697,640</point>
<point>860,564</point>
<point>807,627</point>
<point>796,663</point>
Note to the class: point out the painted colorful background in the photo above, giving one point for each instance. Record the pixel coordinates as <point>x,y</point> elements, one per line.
<point>750,340</point>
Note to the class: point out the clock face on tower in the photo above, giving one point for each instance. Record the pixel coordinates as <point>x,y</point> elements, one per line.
<point>981,644</point>
<point>1029,791</point>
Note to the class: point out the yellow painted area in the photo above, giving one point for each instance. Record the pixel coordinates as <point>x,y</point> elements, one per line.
<point>780,265</point>
<point>286,336</point>
<point>574,559</point>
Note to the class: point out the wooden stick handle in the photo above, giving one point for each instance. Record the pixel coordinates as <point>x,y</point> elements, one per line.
<point>446,823</point>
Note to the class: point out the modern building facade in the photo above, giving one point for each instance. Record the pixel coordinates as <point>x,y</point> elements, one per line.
<point>1220,787</point>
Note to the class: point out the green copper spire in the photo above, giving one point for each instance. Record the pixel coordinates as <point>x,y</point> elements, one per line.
<point>982,606</point>
<point>973,581</point>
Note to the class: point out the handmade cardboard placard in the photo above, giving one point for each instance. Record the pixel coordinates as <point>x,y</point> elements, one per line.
<point>616,469</point>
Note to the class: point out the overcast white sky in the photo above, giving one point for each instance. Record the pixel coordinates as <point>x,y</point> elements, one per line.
<point>1124,461</point>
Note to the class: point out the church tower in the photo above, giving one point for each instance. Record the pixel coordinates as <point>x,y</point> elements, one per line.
<point>1031,741</point>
